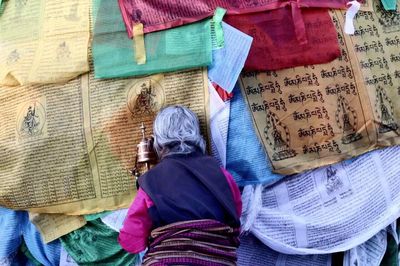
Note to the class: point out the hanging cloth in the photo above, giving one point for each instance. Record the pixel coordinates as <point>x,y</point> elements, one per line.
<point>288,37</point>
<point>115,55</point>
<point>158,15</point>
<point>96,243</point>
<point>286,33</point>
<point>389,4</point>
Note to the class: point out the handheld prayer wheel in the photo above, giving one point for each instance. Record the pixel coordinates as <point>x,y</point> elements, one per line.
<point>145,150</point>
<point>145,154</point>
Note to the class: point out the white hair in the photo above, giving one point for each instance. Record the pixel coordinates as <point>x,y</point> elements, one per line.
<point>176,131</point>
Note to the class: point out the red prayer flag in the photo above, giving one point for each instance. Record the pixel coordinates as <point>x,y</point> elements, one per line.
<point>163,14</point>
<point>283,40</point>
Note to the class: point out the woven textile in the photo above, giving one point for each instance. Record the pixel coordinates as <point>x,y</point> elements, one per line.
<point>164,14</point>
<point>283,40</point>
<point>15,228</point>
<point>246,159</point>
<point>96,243</point>
<point>193,243</point>
<point>176,49</point>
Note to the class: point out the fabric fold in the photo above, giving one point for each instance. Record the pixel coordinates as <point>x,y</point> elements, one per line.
<point>117,56</point>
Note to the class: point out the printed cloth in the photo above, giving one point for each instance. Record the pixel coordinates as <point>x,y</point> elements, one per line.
<point>253,252</point>
<point>114,53</point>
<point>96,243</point>
<point>286,33</point>
<point>15,228</point>
<point>158,15</point>
<point>198,242</point>
<point>281,40</point>
<point>329,209</point>
<point>246,159</point>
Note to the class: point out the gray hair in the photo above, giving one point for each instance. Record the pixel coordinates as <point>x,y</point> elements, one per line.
<point>176,131</point>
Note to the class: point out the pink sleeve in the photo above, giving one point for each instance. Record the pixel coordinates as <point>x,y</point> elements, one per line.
<point>235,191</point>
<point>137,225</point>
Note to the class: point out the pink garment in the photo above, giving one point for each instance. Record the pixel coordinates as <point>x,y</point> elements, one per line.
<point>158,15</point>
<point>137,226</point>
<point>235,191</point>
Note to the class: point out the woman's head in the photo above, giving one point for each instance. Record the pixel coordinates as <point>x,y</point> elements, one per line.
<point>176,131</point>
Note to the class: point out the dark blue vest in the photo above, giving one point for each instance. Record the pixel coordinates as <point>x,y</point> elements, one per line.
<point>189,187</point>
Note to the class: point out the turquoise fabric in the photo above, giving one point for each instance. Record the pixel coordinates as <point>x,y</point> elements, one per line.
<point>95,216</point>
<point>389,4</point>
<point>169,50</point>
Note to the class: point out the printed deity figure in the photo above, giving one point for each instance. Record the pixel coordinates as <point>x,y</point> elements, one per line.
<point>31,121</point>
<point>145,100</point>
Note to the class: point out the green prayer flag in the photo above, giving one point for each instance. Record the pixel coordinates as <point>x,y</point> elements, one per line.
<point>96,244</point>
<point>94,216</point>
<point>179,48</point>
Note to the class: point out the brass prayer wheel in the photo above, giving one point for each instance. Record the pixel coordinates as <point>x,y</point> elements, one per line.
<point>145,150</point>
<point>145,155</point>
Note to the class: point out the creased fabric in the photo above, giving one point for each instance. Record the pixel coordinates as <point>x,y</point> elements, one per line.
<point>197,242</point>
<point>253,252</point>
<point>283,38</point>
<point>15,228</point>
<point>175,49</point>
<point>246,159</point>
<point>96,243</point>
<point>158,15</point>
<point>391,257</point>
<point>329,209</point>
<point>286,33</point>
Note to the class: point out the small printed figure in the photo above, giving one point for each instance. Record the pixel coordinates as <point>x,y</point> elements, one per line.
<point>31,122</point>
<point>145,97</point>
<point>145,101</point>
<point>73,13</point>
<point>333,182</point>
<point>13,57</point>
<point>346,118</point>
<point>385,111</point>
<point>273,134</point>
<point>63,52</point>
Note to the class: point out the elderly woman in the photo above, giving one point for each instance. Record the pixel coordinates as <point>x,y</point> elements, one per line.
<point>187,208</point>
